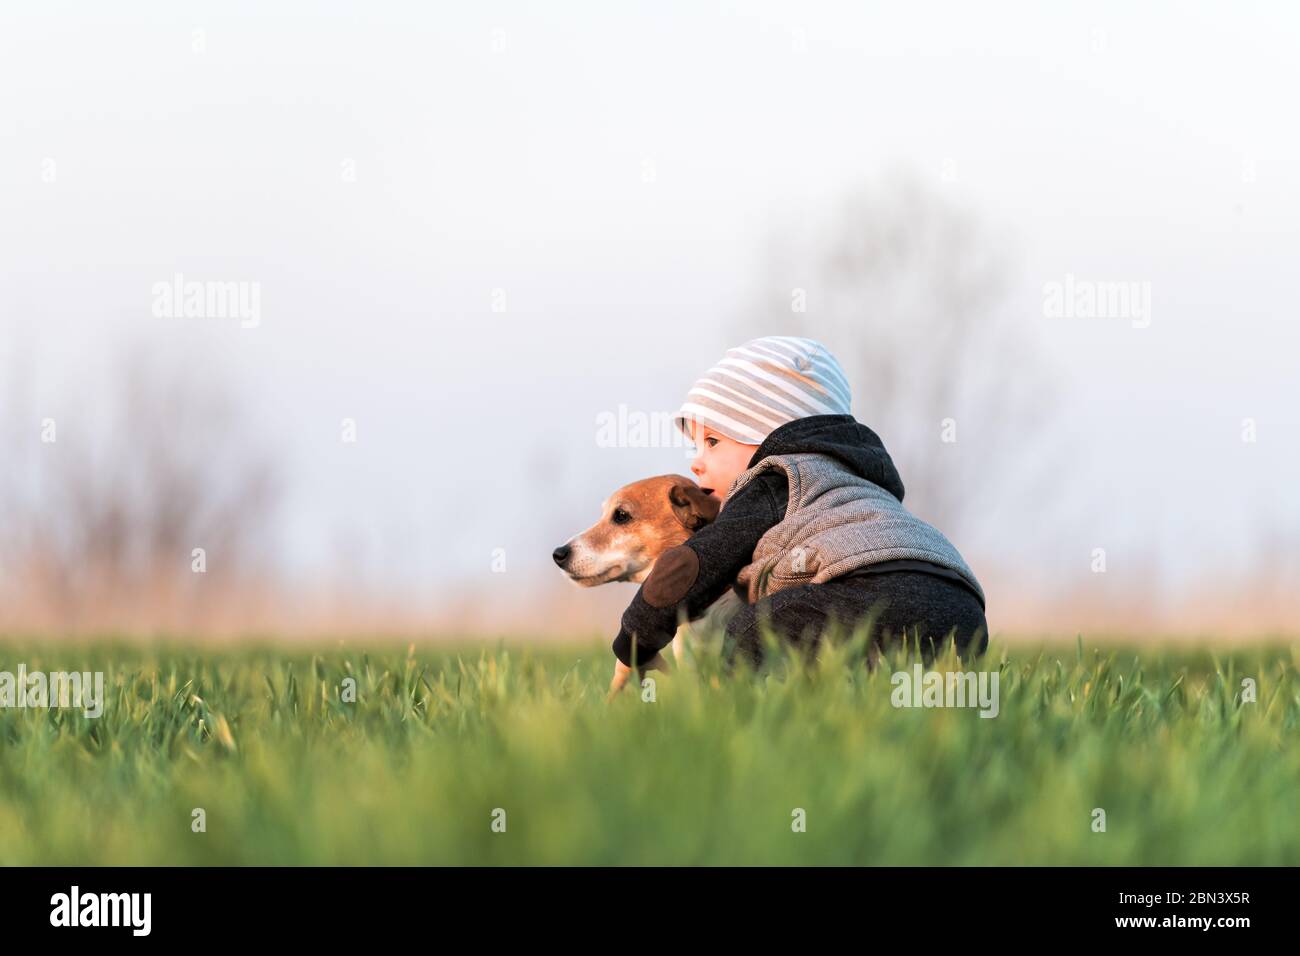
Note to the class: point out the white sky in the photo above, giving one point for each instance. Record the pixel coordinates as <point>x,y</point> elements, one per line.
<point>505,145</point>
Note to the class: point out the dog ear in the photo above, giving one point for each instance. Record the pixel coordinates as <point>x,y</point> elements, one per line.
<point>693,508</point>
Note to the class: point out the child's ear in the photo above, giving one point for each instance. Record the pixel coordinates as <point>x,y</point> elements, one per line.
<point>693,508</point>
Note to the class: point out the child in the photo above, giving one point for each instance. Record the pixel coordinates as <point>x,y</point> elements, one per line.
<point>812,527</point>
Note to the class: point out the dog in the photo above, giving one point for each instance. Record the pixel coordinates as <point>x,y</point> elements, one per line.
<point>638,523</point>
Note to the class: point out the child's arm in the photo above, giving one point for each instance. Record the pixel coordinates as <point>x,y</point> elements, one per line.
<point>694,575</point>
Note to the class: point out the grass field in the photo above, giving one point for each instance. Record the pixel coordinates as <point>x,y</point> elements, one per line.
<point>711,772</point>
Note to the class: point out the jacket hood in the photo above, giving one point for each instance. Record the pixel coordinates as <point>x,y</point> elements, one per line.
<point>841,437</point>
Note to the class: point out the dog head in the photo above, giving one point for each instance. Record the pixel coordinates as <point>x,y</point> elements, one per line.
<point>637,523</point>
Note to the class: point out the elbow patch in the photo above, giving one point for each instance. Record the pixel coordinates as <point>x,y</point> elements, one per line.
<point>672,577</point>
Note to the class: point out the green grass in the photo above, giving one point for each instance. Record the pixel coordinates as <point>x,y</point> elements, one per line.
<point>709,773</point>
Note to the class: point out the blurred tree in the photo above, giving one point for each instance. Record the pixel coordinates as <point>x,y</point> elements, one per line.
<point>102,523</point>
<point>909,292</point>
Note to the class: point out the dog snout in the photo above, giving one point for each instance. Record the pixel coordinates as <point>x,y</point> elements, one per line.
<point>561,554</point>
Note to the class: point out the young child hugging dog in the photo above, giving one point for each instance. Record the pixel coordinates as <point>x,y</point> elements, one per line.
<point>812,528</point>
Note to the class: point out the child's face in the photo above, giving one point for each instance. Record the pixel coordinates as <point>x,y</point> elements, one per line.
<point>718,460</point>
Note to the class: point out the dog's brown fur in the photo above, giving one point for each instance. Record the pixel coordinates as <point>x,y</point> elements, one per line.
<point>638,523</point>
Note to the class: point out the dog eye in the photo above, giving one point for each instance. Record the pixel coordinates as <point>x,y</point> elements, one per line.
<point>621,516</point>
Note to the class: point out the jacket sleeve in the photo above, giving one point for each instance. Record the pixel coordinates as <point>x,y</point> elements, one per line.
<point>691,576</point>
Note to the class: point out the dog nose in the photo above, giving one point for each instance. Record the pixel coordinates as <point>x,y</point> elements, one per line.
<point>561,554</point>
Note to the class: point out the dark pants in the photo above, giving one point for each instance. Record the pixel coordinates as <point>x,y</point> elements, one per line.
<point>898,606</point>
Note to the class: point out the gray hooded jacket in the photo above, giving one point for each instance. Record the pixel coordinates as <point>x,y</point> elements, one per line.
<point>844,511</point>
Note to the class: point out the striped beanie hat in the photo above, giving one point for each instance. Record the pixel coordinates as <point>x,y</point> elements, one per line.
<point>761,385</point>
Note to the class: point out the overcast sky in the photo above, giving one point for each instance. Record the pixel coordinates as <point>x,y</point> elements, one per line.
<point>606,179</point>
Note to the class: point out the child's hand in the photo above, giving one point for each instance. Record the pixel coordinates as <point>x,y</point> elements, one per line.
<point>622,672</point>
